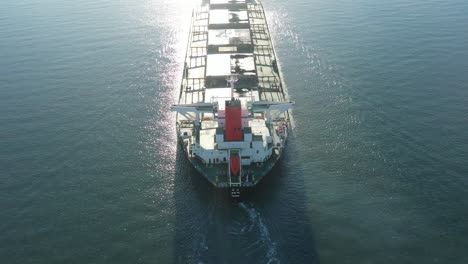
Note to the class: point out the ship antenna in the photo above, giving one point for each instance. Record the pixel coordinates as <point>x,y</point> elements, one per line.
<point>232,80</point>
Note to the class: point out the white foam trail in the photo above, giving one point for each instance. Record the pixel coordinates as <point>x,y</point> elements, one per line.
<point>256,220</point>
<point>199,247</point>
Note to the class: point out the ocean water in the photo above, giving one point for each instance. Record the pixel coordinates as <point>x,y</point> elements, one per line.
<point>376,170</point>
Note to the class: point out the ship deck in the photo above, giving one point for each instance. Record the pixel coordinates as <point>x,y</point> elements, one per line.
<point>211,39</point>
<point>216,173</point>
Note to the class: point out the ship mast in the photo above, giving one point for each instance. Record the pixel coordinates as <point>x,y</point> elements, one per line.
<point>232,80</point>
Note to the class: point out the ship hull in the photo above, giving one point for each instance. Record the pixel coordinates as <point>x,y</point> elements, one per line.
<point>233,115</point>
<point>258,172</point>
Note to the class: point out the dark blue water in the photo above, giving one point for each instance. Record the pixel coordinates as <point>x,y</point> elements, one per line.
<point>376,171</point>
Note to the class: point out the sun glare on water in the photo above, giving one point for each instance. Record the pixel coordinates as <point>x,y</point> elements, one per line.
<point>165,26</point>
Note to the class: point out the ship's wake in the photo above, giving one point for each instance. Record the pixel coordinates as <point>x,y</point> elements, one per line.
<point>264,241</point>
<point>244,233</point>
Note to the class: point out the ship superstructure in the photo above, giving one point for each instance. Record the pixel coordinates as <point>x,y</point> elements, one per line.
<point>232,115</point>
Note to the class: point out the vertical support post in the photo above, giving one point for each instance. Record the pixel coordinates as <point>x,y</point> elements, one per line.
<point>197,118</point>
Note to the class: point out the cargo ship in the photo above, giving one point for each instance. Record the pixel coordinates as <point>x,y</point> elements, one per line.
<point>232,118</point>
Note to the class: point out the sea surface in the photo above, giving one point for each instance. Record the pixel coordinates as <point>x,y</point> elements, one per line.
<point>376,170</point>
